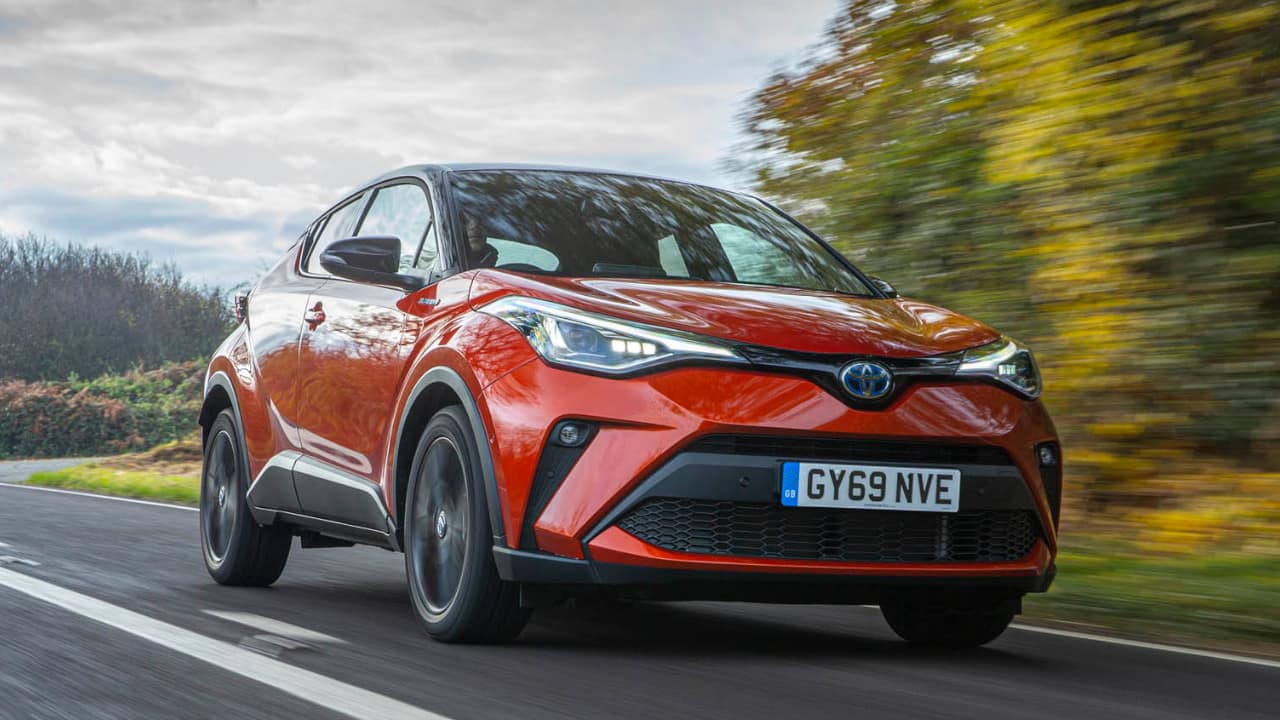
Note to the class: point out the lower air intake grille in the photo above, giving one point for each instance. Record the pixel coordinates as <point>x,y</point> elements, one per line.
<point>766,530</point>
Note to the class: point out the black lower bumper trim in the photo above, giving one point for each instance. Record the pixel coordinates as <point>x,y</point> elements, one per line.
<point>535,568</point>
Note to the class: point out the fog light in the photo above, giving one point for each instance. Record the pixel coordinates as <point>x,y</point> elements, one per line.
<point>570,434</point>
<point>1047,456</point>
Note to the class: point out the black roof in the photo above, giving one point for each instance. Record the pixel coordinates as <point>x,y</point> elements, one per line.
<point>437,169</point>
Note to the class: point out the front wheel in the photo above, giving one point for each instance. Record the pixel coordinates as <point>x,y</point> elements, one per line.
<point>453,581</point>
<point>926,623</point>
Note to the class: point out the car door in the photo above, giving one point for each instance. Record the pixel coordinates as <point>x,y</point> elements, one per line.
<point>274,321</point>
<point>356,346</point>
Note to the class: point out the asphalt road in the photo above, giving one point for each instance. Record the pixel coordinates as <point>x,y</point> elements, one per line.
<point>115,622</point>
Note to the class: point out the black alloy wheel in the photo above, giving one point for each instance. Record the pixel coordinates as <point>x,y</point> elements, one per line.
<point>237,551</point>
<point>453,582</point>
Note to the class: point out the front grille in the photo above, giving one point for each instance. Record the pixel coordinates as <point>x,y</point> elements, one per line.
<point>803,448</point>
<point>766,530</point>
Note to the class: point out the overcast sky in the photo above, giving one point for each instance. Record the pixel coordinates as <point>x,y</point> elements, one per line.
<point>209,134</point>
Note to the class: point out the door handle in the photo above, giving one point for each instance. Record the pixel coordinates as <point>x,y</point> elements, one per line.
<point>314,316</point>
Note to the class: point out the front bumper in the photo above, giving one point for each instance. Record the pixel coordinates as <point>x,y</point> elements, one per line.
<point>662,438</point>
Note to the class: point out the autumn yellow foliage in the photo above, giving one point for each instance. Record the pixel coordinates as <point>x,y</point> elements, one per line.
<point>1101,180</point>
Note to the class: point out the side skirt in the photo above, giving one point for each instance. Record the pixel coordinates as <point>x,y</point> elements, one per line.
<point>311,495</point>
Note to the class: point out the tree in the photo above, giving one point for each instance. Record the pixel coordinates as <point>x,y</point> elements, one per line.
<point>87,311</point>
<point>1099,177</point>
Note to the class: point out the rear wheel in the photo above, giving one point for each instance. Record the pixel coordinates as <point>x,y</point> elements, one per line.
<point>453,581</point>
<point>927,623</point>
<point>237,551</point>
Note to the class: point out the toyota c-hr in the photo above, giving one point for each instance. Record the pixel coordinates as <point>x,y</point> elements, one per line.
<point>546,383</point>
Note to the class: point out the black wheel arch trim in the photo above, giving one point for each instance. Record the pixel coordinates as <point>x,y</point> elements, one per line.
<point>218,379</point>
<point>206,418</point>
<point>441,375</point>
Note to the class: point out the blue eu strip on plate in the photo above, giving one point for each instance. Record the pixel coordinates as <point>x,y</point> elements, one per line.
<point>790,483</point>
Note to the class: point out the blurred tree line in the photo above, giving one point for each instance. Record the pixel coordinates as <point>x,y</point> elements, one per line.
<point>1100,179</point>
<point>71,310</point>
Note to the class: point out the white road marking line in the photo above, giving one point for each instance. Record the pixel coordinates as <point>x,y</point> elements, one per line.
<point>102,497</point>
<point>314,688</point>
<point>275,627</point>
<point>14,560</point>
<point>1151,646</point>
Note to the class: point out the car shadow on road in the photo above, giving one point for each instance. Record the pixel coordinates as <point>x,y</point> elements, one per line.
<point>698,629</point>
<point>673,630</point>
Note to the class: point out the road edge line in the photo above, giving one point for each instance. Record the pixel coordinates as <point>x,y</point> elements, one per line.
<point>1177,649</point>
<point>117,498</point>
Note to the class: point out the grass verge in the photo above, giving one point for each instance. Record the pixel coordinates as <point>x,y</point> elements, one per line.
<point>166,473</point>
<point>92,477</point>
<point>1217,598</point>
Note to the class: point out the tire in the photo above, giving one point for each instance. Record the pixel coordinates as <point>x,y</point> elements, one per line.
<point>947,626</point>
<point>454,586</point>
<point>237,551</point>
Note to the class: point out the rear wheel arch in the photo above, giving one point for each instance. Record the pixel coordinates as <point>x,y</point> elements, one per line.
<point>219,395</point>
<point>438,388</point>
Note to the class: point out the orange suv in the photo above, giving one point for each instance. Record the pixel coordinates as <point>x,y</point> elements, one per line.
<point>547,383</point>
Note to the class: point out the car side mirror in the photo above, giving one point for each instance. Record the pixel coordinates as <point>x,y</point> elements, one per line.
<point>374,259</point>
<point>884,286</point>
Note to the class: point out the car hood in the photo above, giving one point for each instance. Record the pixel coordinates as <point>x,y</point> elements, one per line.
<point>798,320</point>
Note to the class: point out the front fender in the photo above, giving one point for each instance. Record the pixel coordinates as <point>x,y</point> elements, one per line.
<point>451,379</point>
<point>472,353</point>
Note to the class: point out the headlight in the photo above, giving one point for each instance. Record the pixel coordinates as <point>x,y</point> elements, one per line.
<point>1006,362</point>
<point>588,341</point>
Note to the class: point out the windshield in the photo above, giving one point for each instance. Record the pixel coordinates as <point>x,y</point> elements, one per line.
<point>589,224</point>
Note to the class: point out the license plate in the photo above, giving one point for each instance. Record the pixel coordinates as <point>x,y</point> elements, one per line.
<point>870,487</point>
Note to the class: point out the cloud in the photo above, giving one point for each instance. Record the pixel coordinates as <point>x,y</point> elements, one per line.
<point>166,122</point>
<point>212,248</point>
<point>78,215</point>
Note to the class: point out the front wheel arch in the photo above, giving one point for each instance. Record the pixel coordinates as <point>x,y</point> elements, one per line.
<point>437,389</point>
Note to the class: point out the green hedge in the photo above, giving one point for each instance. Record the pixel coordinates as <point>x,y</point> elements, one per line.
<point>106,415</point>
